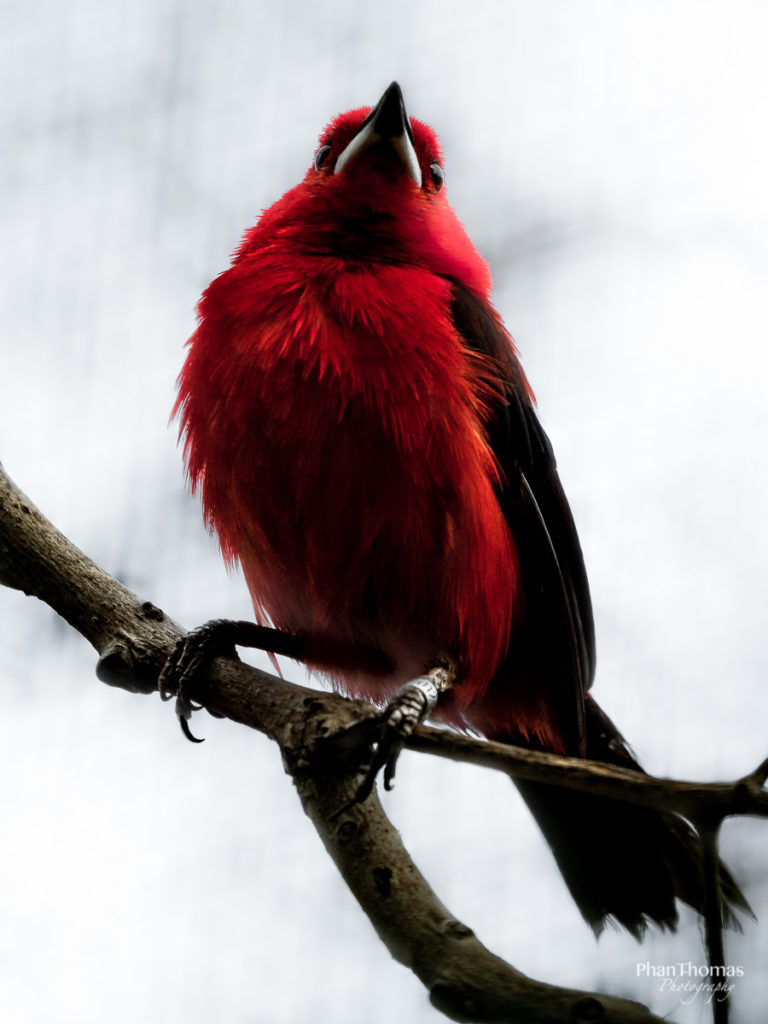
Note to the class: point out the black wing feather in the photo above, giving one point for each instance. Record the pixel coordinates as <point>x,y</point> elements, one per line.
<point>557,637</point>
<point>621,861</point>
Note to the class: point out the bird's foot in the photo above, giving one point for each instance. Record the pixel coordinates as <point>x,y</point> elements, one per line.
<point>192,653</point>
<point>217,638</point>
<point>406,710</point>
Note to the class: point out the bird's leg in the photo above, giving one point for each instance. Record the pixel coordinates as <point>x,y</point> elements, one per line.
<point>219,637</point>
<point>406,709</point>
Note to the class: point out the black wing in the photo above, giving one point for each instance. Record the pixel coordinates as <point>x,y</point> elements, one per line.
<point>556,641</point>
<point>618,860</point>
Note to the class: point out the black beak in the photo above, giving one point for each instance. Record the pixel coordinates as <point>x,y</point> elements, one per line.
<point>387,122</point>
<point>388,118</point>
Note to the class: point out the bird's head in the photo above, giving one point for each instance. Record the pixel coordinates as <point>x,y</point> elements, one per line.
<point>375,192</point>
<point>375,152</point>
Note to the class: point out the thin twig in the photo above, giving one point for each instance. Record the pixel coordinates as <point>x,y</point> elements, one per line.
<point>694,800</point>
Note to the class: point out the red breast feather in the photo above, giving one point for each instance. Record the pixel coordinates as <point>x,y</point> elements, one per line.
<point>332,423</point>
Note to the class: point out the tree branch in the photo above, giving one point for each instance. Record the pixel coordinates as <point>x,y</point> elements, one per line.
<point>320,736</point>
<point>697,801</point>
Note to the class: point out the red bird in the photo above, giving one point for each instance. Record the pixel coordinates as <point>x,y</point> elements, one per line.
<point>366,445</point>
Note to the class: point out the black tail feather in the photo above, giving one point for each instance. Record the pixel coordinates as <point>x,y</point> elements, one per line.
<point>622,861</point>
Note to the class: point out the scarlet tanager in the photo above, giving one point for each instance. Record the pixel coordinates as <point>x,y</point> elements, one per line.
<point>366,445</point>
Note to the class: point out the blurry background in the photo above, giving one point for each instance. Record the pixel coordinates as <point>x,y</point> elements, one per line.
<point>610,160</point>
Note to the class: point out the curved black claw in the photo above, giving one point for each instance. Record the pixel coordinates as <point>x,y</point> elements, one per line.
<point>184,709</point>
<point>191,653</point>
<point>406,710</point>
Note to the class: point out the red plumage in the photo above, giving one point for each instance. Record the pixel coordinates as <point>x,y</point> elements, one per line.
<point>365,443</point>
<point>333,420</point>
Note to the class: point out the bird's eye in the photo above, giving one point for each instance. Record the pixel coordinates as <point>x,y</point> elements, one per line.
<point>321,156</point>
<point>438,176</point>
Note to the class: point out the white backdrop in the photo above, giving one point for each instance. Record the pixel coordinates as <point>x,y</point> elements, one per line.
<point>610,160</point>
